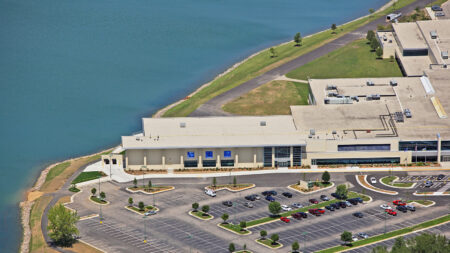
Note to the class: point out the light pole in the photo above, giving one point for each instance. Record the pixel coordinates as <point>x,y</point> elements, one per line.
<point>145,230</point>
<point>385,221</point>
<point>100,205</point>
<point>110,164</point>
<point>304,244</point>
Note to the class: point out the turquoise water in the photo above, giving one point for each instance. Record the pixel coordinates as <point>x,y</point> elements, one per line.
<point>75,75</point>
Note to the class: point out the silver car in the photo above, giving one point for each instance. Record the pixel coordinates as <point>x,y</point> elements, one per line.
<point>248,204</point>
<point>363,235</point>
<point>297,205</point>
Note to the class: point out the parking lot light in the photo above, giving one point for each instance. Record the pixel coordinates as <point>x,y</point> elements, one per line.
<point>145,230</point>
<point>304,245</point>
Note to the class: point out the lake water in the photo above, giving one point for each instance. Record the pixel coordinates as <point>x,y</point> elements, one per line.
<point>76,75</point>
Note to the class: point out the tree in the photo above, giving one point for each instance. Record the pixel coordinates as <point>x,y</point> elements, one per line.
<point>102,195</point>
<point>346,237</point>
<point>225,217</point>
<point>274,208</point>
<point>263,234</point>
<point>214,181</point>
<point>379,52</point>
<point>244,247</point>
<point>234,181</point>
<point>371,10</point>
<point>274,238</point>
<point>326,177</point>
<point>298,39</point>
<point>341,190</point>
<point>295,247</point>
<point>399,245</point>
<point>195,206</point>
<point>231,247</point>
<point>135,182</point>
<point>62,225</point>
<point>391,58</point>
<point>150,184</point>
<point>243,225</point>
<point>205,209</point>
<point>93,191</point>
<point>130,201</point>
<point>380,249</point>
<point>370,35</point>
<point>374,44</point>
<point>428,243</point>
<point>333,28</point>
<point>141,206</point>
<point>273,53</point>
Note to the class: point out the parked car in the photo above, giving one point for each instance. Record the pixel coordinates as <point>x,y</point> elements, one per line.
<point>152,212</point>
<point>440,176</point>
<point>336,206</point>
<point>297,205</point>
<point>287,194</point>
<point>408,113</point>
<point>330,208</point>
<point>385,207</point>
<point>436,8</point>
<point>411,208</point>
<point>363,235</point>
<point>373,180</point>
<point>347,203</point>
<point>360,200</point>
<point>399,202</point>
<point>270,198</point>
<point>286,208</point>
<point>439,14</point>
<point>334,195</point>
<point>284,219</point>
<point>402,209</point>
<point>428,183</point>
<point>227,203</point>
<point>297,216</point>
<point>358,214</point>
<point>313,201</point>
<point>248,204</point>
<point>273,193</point>
<point>324,198</point>
<point>354,238</point>
<point>302,214</point>
<point>353,201</point>
<point>342,204</point>
<point>265,193</point>
<point>250,197</point>
<point>210,192</point>
<point>316,211</point>
<point>391,212</point>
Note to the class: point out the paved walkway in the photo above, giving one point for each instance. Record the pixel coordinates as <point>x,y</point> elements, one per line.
<point>214,106</point>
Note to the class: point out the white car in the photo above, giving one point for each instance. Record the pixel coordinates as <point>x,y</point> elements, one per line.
<point>286,208</point>
<point>373,180</point>
<point>210,192</point>
<point>363,235</point>
<point>354,238</point>
<point>297,205</point>
<point>384,206</point>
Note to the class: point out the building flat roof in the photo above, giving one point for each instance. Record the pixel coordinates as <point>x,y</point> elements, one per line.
<point>409,36</point>
<point>442,42</point>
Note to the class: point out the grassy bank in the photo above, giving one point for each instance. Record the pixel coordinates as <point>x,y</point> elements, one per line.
<point>273,98</point>
<point>389,235</point>
<point>263,62</point>
<point>87,176</point>
<point>351,61</point>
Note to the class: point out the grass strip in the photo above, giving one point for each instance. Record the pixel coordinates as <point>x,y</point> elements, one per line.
<point>422,202</point>
<point>56,170</point>
<point>86,176</point>
<point>236,228</point>
<point>201,215</point>
<point>390,181</point>
<point>402,231</point>
<point>263,62</point>
<point>268,242</point>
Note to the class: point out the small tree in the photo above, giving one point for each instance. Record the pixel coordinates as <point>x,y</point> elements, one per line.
<point>234,181</point>
<point>225,217</point>
<point>391,58</point>
<point>141,206</point>
<point>93,191</point>
<point>62,225</point>
<point>135,182</point>
<point>243,225</point>
<point>244,247</point>
<point>274,238</point>
<point>380,249</point>
<point>326,177</point>
<point>370,35</point>
<point>374,44</point>
<point>333,28</point>
<point>150,184</point>
<point>231,247</point>
<point>379,52</point>
<point>272,52</point>
<point>274,208</point>
<point>341,190</point>
<point>346,237</point>
<point>130,201</point>
<point>295,247</point>
<point>371,10</point>
<point>214,182</point>
<point>263,234</point>
<point>205,209</point>
<point>195,206</point>
<point>298,39</point>
<point>102,195</point>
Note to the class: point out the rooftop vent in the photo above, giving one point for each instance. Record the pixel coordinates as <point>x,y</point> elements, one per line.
<point>370,83</point>
<point>433,34</point>
<point>312,132</point>
<point>393,82</point>
<point>334,132</point>
<point>444,54</point>
<point>262,123</point>
<point>183,125</point>
<point>331,87</point>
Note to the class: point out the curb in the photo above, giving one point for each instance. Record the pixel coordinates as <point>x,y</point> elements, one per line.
<point>431,194</point>
<point>155,209</point>
<point>375,189</point>
<point>396,178</point>
<point>232,231</point>
<point>231,190</point>
<point>279,243</point>
<point>424,206</point>
<point>150,193</point>
<point>95,247</point>
<point>210,218</point>
<point>292,188</point>
<point>107,202</point>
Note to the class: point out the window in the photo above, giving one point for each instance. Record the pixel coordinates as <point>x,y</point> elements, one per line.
<point>208,154</point>
<point>114,161</point>
<point>191,154</point>
<point>365,147</point>
<point>209,163</point>
<point>417,145</point>
<point>297,156</point>
<point>227,163</point>
<point>386,160</point>
<point>227,154</point>
<point>106,161</point>
<point>190,164</point>
<point>445,145</point>
<point>267,156</point>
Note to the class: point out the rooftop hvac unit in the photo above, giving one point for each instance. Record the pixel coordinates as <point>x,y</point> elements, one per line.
<point>370,83</point>
<point>399,117</point>
<point>339,100</point>
<point>333,132</point>
<point>373,97</point>
<point>393,82</point>
<point>262,123</point>
<point>183,125</point>
<point>331,87</point>
<point>332,94</point>
<point>444,54</point>
<point>433,34</point>
<point>312,132</point>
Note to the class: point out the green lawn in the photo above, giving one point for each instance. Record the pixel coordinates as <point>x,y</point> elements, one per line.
<point>352,60</point>
<point>86,176</point>
<point>389,180</point>
<point>98,200</point>
<point>373,239</point>
<point>262,63</point>
<point>268,242</point>
<point>273,98</point>
<point>235,227</point>
<point>146,209</point>
<point>201,215</point>
<point>56,170</point>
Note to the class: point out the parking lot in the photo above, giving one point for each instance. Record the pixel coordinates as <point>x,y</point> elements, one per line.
<point>420,181</point>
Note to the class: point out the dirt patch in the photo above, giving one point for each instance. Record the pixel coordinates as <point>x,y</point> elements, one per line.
<point>82,248</point>
<point>64,199</point>
<point>31,196</point>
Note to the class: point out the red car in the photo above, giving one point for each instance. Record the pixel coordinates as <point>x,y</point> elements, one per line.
<point>313,201</point>
<point>287,220</point>
<point>316,211</point>
<point>398,203</point>
<point>391,212</point>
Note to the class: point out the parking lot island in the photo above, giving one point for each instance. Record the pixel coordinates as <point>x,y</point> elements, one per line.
<point>362,180</point>
<point>391,182</point>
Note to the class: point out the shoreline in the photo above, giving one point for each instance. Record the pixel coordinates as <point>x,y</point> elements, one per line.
<point>28,199</point>
<point>162,111</point>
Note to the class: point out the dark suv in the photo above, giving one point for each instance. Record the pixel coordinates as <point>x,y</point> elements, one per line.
<point>335,205</point>
<point>342,204</point>
<point>338,196</point>
<point>299,215</point>
<point>227,203</point>
<point>330,208</point>
<point>250,197</point>
<point>402,209</point>
<point>287,194</point>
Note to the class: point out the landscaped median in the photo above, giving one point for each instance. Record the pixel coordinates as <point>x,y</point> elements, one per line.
<point>142,211</point>
<point>362,180</point>
<point>150,190</point>
<point>424,203</point>
<point>318,186</point>
<point>201,215</point>
<point>87,176</point>
<point>431,193</point>
<point>98,200</point>
<point>234,228</point>
<point>231,187</point>
<point>389,235</point>
<point>269,243</point>
<point>391,182</point>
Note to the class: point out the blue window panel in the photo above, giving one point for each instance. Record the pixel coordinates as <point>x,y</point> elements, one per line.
<point>227,154</point>
<point>365,147</point>
<point>209,154</point>
<point>191,154</point>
